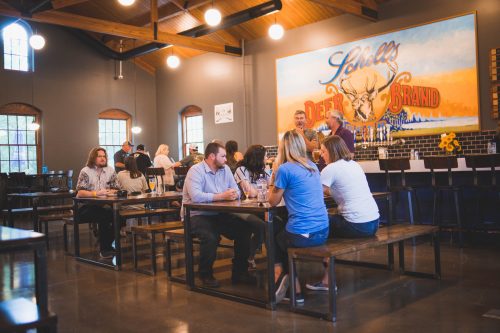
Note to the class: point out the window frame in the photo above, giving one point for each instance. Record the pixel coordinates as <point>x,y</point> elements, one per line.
<point>22,109</point>
<point>31,51</point>
<point>189,111</point>
<point>115,114</point>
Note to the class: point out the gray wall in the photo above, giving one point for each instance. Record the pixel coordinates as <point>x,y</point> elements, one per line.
<point>259,86</point>
<point>204,81</point>
<point>72,84</point>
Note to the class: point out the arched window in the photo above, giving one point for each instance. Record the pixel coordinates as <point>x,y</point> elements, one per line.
<point>192,128</point>
<point>20,148</point>
<point>114,129</point>
<point>17,54</point>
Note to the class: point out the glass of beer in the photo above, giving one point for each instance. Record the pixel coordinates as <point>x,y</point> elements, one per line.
<point>316,154</point>
<point>152,185</point>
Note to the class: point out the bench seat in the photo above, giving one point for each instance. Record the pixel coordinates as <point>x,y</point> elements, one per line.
<point>135,213</point>
<point>336,247</point>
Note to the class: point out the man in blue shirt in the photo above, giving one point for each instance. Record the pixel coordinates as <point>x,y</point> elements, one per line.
<point>208,181</point>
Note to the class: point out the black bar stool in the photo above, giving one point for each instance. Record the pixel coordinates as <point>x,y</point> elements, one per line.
<point>489,161</point>
<point>444,163</point>
<point>401,165</point>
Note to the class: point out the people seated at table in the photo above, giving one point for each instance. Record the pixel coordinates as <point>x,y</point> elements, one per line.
<point>248,171</point>
<point>120,155</point>
<point>208,181</point>
<point>142,159</point>
<point>345,181</point>
<point>233,155</point>
<point>98,179</point>
<point>193,158</point>
<point>132,180</point>
<point>162,160</point>
<point>297,180</point>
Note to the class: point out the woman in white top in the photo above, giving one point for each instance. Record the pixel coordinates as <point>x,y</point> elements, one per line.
<point>162,160</point>
<point>345,181</point>
<point>131,180</point>
<point>248,171</point>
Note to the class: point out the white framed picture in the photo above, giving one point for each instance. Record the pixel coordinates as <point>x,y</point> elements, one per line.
<point>223,113</point>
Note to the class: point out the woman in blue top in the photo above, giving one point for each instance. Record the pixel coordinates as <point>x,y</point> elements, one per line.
<point>297,180</point>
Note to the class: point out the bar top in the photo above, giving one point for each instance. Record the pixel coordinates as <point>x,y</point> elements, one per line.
<point>416,166</point>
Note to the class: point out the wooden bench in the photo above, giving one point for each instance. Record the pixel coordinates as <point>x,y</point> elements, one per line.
<point>153,230</point>
<point>337,247</point>
<point>45,219</point>
<point>136,213</point>
<point>29,210</point>
<point>177,236</point>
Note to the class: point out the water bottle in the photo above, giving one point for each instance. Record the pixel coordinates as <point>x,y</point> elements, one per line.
<point>261,190</point>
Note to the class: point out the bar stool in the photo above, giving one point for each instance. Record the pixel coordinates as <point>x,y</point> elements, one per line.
<point>401,165</point>
<point>448,163</point>
<point>484,161</point>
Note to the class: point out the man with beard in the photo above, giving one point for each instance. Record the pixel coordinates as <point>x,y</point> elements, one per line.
<point>335,121</point>
<point>98,179</point>
<point>310,136</point>
<point>208,181</point>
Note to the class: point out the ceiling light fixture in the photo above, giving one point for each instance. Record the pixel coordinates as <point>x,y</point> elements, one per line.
<point>276,30</point>
<point>37,41</point>
<point>135,129</point>
<point>173,61</point>
<point>126,2</point>
<point>33,126</point>
<point>213,16</point>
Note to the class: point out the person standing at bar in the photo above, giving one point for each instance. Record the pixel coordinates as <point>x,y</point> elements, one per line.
<point>120,155</point>
<point>310,136</point>
<point>335,121</point>
<point>142,160</point>
<point>208,181</point>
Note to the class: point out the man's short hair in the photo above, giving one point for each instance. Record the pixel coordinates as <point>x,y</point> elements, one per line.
<point>299,112</point>
<point>140,147</point>
<point>213,148</point>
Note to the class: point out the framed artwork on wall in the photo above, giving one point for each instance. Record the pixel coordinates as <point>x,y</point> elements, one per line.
<point>420,80</point>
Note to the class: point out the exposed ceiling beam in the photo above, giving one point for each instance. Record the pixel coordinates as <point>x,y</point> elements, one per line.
<point>167,11</point>
<point>224,34</point>
<point>364,10</point>
<point>123,30</point>
<point>154,17</point>
<point>58,4</point>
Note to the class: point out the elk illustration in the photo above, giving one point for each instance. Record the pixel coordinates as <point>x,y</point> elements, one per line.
<point>362,102</point>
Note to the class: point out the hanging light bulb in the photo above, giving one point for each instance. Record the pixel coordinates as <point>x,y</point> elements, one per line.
<point>37,42</point>
<point>276,31</point>
<point>126,2</point>
<point>173,61</point>
<point>136,130</point>
<point>213,17</point>
<point>34,126</point>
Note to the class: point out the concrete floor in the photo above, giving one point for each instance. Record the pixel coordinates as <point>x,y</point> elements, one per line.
<point>91,299</point>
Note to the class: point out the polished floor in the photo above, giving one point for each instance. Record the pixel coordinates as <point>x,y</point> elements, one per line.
<point>92,299</point>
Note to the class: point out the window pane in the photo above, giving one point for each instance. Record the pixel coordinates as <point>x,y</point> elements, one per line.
<point>16,46</point>
<point>109,138</point>
<point>14,166</point>
<point>15,62</point>
<point>23,64</point>
<point>32,153</point>
<point>4,137</point>
<point>102,139</point>
<point>12,137</point>
<point>4,166</point>
<point>31,138</point>
<point>14,152</point>
<point>7,61</point>
<point>23,152</point>
<point>123,126</point>
<point>32,167</point>
<point>109,126</point>
<point>21,137</point>
<point>21,123</point>
<point>116,126</point>
<point>4,152</point>
<point>23,166</point>
<point>3,121</point>
<point>12,122</point>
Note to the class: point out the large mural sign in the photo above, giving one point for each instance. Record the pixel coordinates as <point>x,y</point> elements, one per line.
<point>417,81</point>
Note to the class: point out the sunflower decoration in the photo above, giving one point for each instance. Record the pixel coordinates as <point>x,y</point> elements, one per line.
<point>449,143</point>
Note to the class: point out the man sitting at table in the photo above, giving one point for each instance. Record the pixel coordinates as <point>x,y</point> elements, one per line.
<point>98,179</point>
<point>208,181</point>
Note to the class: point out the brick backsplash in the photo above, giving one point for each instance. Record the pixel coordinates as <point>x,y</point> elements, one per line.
<point>472,143</point>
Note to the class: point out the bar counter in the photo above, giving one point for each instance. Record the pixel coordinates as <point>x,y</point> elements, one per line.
<point>416,166</point>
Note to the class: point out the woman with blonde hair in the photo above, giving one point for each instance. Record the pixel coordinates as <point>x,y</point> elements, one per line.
<point>162,160</point>
<point>345,181</point>
<point>297,180</point>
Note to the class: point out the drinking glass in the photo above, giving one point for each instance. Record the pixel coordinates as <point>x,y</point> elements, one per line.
<point>246,191</point>
<point>152,185</point>
<point>315,155</point>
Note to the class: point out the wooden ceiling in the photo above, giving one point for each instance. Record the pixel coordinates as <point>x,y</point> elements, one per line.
<point>133,24</point>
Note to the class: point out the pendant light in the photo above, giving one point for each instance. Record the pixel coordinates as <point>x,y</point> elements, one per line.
<point>276,30</point>
<point>213,16</point>
<point>37,42</point>
<point>126,3</point>
<point>173,61</point>
<point>135,129</point>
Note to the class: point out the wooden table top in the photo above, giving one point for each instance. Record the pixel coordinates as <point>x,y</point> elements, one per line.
<point>15,237</point>
<point>67,194</point>
<point>142,198</point>
<point>251,206</point>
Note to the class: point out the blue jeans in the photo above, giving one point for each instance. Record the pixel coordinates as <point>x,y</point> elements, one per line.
<point>340,228</point>
<point>285,239</point>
